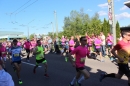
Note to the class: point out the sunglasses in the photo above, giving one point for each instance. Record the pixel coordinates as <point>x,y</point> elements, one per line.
<point>128,34</point>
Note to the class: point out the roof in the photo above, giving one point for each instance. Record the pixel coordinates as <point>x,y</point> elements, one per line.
<point>125,28</point>
<point>3,33</point>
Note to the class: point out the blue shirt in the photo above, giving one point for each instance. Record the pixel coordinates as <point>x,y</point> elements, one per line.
<point>5,79</point>
<point>15,51</point>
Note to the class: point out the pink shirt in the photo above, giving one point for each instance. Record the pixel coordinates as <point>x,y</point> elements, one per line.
<point>33,44</point>
<point>19,43</point>
<point>97,43</point>
<point>71,42</point>
<point>4,44</point>
<point>27,45</point>
<point>109,40</point>
<point>90,41</point>
<point>2,49</point>
<point>63,41</point>
<point>80,53</point>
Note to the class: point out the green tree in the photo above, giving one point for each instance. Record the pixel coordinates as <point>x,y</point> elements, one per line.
<point>31,36</point>
<point>117,30</point>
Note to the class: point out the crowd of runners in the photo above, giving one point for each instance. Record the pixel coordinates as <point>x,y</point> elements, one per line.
<point>76,49</point>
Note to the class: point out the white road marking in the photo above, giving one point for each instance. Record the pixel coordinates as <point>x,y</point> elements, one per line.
<point>30,64</point>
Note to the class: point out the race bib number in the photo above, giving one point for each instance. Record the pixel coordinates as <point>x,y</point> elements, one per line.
<point>16,55</point>
<point>82,59</point>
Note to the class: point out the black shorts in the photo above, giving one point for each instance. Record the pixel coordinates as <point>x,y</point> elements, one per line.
<point>98,49</point>
<point>109,46</point>
<point>18,62</point>
<point>124,69</point>
<point>80,68</point>
<point>28,50</point>
<point>41,61</point>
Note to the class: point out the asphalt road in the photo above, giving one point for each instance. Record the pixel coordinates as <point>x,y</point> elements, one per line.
<point>61,73</point>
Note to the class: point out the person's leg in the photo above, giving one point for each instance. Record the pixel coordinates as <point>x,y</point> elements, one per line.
<point>18,69</point>
<point>37,63</point>
<point>104,50</point>
<point>85,76</point>
<point>28,53</point>
<point>78,74</point>
<point>113,75</point>
<point>46,67</point>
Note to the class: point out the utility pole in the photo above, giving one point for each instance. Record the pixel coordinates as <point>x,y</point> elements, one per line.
<point>28,28</point>
<point>112,19</point>
<point>52,29</point>
<point>113,25</point>
<point>55,15</point>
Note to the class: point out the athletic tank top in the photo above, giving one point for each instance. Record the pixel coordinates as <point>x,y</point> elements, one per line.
<point>40,55</point>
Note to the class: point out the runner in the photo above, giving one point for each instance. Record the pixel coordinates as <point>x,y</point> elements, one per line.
<point>98,43</point>
<point>15,52</point>
<point>33,42</point>
<point>39,52</point>
<point>5,77</point>
<point>3,55</point>
<point>80,53</point>
<point>27,47</point>
<point>122,52</point>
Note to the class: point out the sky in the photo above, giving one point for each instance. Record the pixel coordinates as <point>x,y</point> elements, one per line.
<point>37,15</point>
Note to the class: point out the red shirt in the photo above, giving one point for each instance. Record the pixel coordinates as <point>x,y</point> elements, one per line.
<point>27,45</point>
<point>123,51</point>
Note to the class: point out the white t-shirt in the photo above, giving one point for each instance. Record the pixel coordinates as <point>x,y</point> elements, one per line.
<point>5,79</point>
<point>103,40</point>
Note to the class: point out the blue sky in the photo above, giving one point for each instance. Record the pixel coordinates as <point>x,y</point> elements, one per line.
<point>18,15</point>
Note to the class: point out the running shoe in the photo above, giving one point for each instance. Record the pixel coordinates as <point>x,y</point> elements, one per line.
<point>20,82</point>
<point>102,76</point>
<point>78,84</point>
<point>46,75</point>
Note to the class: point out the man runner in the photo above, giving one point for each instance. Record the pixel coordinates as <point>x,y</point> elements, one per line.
<point>27,47</point>
<point>80,54</point>
<point>39,52</point>
<point>121,51</point>
<point>15,52</point>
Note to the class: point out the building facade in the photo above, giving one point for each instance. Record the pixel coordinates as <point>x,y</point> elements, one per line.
<point>11,35</point>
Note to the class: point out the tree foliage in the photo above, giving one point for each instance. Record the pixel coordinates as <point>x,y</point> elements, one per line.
<point>78,23</point>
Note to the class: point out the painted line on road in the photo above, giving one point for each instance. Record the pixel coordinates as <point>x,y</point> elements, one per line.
<point>30,64</point>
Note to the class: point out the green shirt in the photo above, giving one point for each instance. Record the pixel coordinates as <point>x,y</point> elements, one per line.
<point>40,55</point>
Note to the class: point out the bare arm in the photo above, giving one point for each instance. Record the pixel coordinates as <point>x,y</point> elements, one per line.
<point>35,51</point>
<point>113,51</point>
